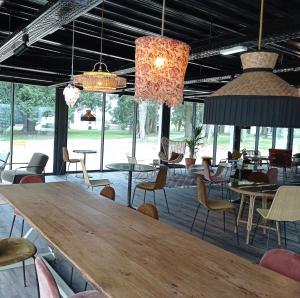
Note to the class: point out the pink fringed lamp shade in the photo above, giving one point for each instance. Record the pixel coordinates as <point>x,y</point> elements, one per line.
<point>160,66</point>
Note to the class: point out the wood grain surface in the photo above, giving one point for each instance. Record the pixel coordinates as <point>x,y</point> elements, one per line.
<point>127,254</point>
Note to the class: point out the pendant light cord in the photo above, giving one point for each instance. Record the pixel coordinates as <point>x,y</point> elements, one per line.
<point>72,66</point>
<point>261,24</point>
<point>163,18</point>
<point>101,42</point>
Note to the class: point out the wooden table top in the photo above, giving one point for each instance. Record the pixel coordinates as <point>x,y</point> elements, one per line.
<point>127,254</point>
<point>254,189</point>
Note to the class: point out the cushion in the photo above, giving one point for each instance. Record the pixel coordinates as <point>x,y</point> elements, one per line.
<point>174,155</point>
<point>37,163</point>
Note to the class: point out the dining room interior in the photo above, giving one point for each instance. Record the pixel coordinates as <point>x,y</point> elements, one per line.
<point>149,148</point>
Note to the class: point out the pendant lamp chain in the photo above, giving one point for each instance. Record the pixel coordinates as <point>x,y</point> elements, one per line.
<point>101,34</point>
<point>72,66</point>
<point>261,24</point>
<point>163,18</point>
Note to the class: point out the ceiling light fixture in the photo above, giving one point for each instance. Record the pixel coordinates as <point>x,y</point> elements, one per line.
<point>71,93</point>
<point>257,97</point>
<point>100,80</point>
<point>233,50</point>
<point>160,66</point>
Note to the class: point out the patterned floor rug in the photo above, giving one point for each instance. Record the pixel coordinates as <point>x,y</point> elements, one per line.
<point>181,180</point>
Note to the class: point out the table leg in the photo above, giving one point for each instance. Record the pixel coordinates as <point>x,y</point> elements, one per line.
<point>264,205</point>
<point>240,209</point>
<point>250,218</point>
<point>129,189</point>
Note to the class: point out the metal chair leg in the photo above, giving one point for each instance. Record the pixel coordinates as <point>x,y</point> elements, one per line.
<point>61,168</point>
<point>12,226</point>
<point>224,220</point>
<point>166,200</point>
<point>36,278</point>
<point>133,195</point>
<point>296,229</point>
<point>195,217</point>
<point>269,226</point>
<point>145,196</point>
<point>22,229</point>
<point>24,274</point>
<point>205,224</point>
<point>236,228</point>
<point>71,276</point>
<point>255,229</point>
<point>209,187</point>
<point>222,190</point>
<point>85,287</point>
<point>154,197</point>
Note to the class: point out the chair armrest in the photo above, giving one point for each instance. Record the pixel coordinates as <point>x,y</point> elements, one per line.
<point>28,167</point>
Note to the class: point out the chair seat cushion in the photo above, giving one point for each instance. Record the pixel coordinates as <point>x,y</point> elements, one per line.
<point>146,186</point>
<point>89,294</point>
<point>14,250</point>
<point>220,205</point>
<point>100,182</point>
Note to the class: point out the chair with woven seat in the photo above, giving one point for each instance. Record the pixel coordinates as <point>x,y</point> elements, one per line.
<point>213,205</point>
<point>15,250</point>
<point>48,287</point>
<point>25,180</point>
<point>36,166</point>
<point>284,208</point>
<point>173,151</point>
<point>282,261</point>
<point>92,182</point>
<point>159,183</point>
<point>149,210</point>
<point>108,192</point>
<point>67,159</point>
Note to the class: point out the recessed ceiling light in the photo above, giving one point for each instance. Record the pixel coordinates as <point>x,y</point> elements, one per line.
<point>233,50</point>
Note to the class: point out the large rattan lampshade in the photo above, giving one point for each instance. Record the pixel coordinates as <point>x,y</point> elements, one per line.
<point>257,97</point>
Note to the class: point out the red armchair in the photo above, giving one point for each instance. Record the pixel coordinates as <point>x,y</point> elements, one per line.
<point>280,158</point>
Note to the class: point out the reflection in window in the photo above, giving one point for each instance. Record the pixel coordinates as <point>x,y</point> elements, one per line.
<point>296,141</point>
<point>281,138</point>
<point>265,140</point>
<point>34,120</point>
<point>248,138</point>
<point>224,141</point>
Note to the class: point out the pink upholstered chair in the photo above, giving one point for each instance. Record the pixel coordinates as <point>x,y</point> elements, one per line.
<point>24,180</point>
<point>273,175</point>
<point>212,179</point>
<point>282,261</point>
<point>48,287</point>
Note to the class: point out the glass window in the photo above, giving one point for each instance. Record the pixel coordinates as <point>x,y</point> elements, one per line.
<point>5,115</point>
<point>296,141</point>
<point>34,119</point>
<point>265,140</point>
<point>119,119</point>
<point>281,138</point>
<point>148,131</point>
<point>248,138</point>
<point>224,141</point>
<point>85,135</point>
<point>199,113</point>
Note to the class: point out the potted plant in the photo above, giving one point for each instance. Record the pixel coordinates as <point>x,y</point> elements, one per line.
<point>193,143</point>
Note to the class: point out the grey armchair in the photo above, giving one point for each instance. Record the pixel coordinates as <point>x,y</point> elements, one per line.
<point>35,166</point>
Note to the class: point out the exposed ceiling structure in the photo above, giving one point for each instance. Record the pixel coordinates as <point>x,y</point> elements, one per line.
<point>207,26</point>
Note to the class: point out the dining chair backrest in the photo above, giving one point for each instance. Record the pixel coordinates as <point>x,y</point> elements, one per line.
<point>108,192</point>
<point>32,179</point>
<point>161,178</point>
<point>65,152</point>
<point>131,159</point>
<point>47,285</point>
<point>219,170</point>
<point>286,204</point>
<point>3,160</point>
<point>37,163</point>
<point>149,210</point>
<point>206,170</point>
<point>202,192</point>
<point>273,175</point>
<point>282,261</point>
<point>85,173</point>
<point>258,177</point>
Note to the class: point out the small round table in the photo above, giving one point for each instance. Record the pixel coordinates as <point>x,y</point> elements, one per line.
<point>253,190</point>
<point>130,167</point>
<point>85,152</point>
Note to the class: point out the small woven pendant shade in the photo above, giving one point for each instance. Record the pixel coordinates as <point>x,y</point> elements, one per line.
<point>257,97</point>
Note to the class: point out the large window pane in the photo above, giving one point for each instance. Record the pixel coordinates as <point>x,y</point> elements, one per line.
<point>5,115</point>
<point>148,131</point>
<point>224,141</point>
<point>296,141</point>
<point>34,119</point>
<point>119,118</point>
<point>281,138</point>
<point>248,138</point>
<point>265,140</point>
<point>85,135</point>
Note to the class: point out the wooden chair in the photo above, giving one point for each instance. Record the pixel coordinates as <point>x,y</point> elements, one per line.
<point>108,192</point>
<point>285,208</point>
<point>25,180</point>
<point>92,182</point>
<point>212,205</point>
<point>159,183</point>
<point>68,160</point>
<point>48,287</point>
<point>149,210</point>
<point>282,261</point>
<point>15,250</point>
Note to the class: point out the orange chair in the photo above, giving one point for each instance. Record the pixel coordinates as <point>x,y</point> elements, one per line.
<point>280,158</point>
<point>25,180</point>
<point>149,210</point>
<point>258,177</point>
<point>108,192</point>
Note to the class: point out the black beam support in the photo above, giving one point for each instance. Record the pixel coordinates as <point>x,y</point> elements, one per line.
<point>12,123</point>
<point>165,123</point>
<point>290,137</point>
<point>236,138</point>
<point>61,131</point>
<point>102,130</point>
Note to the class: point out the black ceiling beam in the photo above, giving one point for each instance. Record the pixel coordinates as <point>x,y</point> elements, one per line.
<point>53,18</point>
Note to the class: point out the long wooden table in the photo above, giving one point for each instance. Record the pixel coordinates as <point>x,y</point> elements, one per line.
<point>127,254</point>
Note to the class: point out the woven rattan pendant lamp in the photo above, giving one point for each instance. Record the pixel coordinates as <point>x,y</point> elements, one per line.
<point>100,80</point>
<point>160,66</point>
<point>257,97</point>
